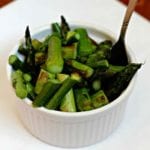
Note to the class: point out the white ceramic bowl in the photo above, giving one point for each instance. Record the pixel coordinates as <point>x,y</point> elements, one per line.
<point>77,129</point>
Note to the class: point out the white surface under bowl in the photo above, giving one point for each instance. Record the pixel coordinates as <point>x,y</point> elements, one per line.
<point>77,129</point>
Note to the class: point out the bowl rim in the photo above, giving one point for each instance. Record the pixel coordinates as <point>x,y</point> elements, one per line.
<point>123,95</point>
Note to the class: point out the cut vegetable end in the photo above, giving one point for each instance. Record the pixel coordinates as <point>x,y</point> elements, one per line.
<point>99,99</point>
<point>55,101</point>
<point>68,102</point>
<point>76,76</point>
<point>21,91</point>
<point>54,69</point>
<point>62,77</point>
<point>12,59</point>
<point>47,91</point>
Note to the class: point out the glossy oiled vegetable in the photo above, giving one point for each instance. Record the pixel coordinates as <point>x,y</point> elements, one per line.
<point>68,70</point>
<point>55,101</point>
<point>47,91</point>
<point>54,62</point>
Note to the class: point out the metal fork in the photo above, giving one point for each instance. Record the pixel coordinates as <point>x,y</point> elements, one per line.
<point>118,51</point>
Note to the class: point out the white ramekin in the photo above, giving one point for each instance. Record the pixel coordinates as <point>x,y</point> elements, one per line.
<point>78,129</point>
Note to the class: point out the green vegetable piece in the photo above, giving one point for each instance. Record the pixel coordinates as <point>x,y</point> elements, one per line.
<point>40,58</point>
<point>44,46</point>
<point>83,100</point>
<point>68,102</point>
<point>28,43</point>
<point>83,69</point>
<point>104,49</point>
<point>94,44</point>
<point>105,46</point>
<point>112,70</point>
<point>56,100</point>
<point>21,90</point>
<point>72,37</point>
<point>27,77</point>
<point>54,62</point>
<point>102,64</point>
<point>64,29</point>
<point>46,93</point>
<point>16,76</point>
<point>107,73</point>
<point>43,77</point>
<point>30,91</point>
<point>85,47</point>
<point>36,44</point>
<point>82,59</point>
<point>22,50</point>
<point>96,84</point>
<point>99,99</point>
<point>97,56</point>
<point>19,84</point>
<point>56,29</point>
<point>102,53</point>
<point>115,85</point>
<point>70,52</point>
<point>62,77</point>
<point>15,62</point>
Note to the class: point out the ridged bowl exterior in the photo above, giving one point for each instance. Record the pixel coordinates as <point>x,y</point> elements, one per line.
<point>73,129</point>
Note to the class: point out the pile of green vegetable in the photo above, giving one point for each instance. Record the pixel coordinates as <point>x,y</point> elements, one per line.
<point>68,71</point>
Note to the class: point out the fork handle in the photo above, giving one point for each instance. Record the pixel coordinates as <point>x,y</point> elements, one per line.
<point>130,9</point>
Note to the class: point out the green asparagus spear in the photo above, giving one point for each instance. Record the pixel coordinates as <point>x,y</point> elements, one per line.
<point>72,37</point>
<point>21,90</point>
<point>40,58</point>
<point>28,42</point>
<point>47,91</point>
<point>70,52</point>
<point>62,77</point>
<point>85,45</point>
<point>30,91</point>
<point>15,62</point>
<point>99,99</point>
<point>27,77</point>
<point>96,84</point>
<point>43,77</point>
<point>44,45</point>
<point>64,29</point>
<point>83,100</point>
<point>105,46</point>
<point>83,69</point>
<point>119,82</point>
<point>54,62</point>
<point>56,29</point>
<point>107,73</point>
<point>36,44</point>
<point>112,70</point>
<point>68,102</point>
<point>82,59</point>
<point>102,53</point>
<point>56,100</point>
<point>19,84</point>
<point>102,64</point>
<point>15,76</point>
<point>22,50</point>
